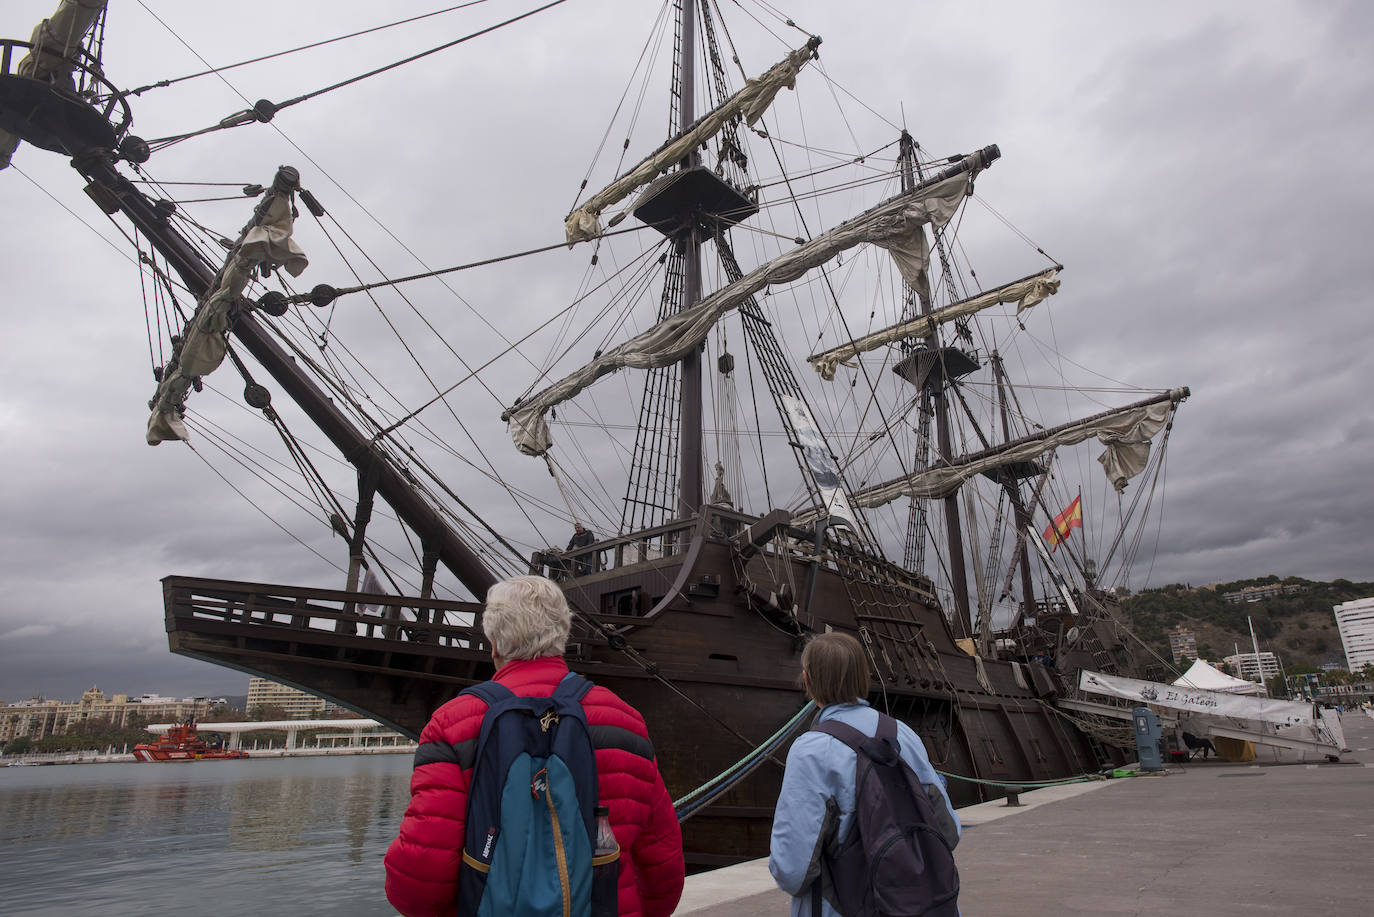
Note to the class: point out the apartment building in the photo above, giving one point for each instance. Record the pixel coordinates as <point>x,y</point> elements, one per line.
<point>39,717</point>
<point>1355,621</point>
<point>1244,665</point>
<point>1182,644</point>
<point>1260,593</point>
<point>299,705</point>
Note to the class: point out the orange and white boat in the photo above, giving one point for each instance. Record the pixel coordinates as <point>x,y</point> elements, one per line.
<point>182,743</point>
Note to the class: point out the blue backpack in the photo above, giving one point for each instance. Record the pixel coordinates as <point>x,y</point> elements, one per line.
<point>531,839</point>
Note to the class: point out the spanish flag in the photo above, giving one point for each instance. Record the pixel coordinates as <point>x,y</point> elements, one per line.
<point>1071,518</point>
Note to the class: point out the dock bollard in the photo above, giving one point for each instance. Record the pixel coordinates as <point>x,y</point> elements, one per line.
<point>1013,798</point>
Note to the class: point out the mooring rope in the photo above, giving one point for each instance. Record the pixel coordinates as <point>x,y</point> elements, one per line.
<point>688,805</point>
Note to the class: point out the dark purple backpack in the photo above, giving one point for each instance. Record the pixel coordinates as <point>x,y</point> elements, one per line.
<point>898,860</point>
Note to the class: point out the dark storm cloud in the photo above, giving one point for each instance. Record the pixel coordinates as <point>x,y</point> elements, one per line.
<point>1199,169</point>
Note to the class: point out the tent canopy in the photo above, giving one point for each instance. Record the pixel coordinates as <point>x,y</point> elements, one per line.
<point>1203,676</point>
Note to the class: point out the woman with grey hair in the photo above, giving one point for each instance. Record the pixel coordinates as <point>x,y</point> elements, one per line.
<point>526,617</point>
<point>527,622</point>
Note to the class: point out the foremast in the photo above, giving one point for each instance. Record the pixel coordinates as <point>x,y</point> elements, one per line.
<point>39,106</point>
<point>116,193</point>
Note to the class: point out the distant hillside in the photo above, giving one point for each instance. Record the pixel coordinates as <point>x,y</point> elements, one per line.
<point>1300,628</point>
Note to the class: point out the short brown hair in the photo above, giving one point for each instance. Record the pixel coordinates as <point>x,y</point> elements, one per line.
<point>836,669</point>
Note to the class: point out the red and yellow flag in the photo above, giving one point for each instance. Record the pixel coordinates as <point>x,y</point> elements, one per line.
<point>1071,518</point>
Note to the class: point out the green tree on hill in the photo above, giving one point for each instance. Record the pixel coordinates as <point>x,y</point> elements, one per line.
<point>1291,624</point>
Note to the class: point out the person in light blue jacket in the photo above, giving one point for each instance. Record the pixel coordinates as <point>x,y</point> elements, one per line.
<point>820,767</point>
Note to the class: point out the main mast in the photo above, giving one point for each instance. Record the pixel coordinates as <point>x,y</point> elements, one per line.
<point>935,401</point>
<point>689,243</point>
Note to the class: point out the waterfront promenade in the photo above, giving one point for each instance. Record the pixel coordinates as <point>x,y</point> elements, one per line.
<point>1205,838</point>
<point>100,757</point>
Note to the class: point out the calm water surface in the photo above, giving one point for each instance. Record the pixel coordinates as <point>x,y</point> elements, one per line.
<point>293,836</point>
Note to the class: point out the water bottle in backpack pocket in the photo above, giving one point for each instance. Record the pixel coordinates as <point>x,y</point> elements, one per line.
<point>605,867</point>
<point>532,827</point>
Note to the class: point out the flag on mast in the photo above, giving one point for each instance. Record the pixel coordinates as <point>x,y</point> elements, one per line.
<point>1071,518</point>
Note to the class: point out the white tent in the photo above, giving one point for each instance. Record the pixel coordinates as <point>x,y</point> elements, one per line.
<point>1203,676</point>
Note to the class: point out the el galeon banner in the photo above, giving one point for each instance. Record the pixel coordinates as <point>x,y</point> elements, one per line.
<point>1196,700</point>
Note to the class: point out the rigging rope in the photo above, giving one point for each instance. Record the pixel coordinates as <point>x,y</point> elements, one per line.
<point>439,272</point>
<point>161,84</point>
<point>265,110</point>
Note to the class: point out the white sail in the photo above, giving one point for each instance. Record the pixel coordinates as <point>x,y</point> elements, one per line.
<point>1126,433</point>
<point>205,344</point>
<point>1025,293</point>
<point>751,102</point>
<point>894,224</point>
<point>54,39</point>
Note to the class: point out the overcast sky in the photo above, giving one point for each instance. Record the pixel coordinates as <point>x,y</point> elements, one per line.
<point>1200,167</point>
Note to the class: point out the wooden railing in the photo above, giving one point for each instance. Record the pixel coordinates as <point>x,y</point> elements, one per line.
<point>438,622</point>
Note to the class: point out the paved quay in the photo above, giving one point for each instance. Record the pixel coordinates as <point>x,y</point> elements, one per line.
<point>1205,838</point>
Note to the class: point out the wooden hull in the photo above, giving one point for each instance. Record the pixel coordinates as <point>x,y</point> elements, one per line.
<point>687,639</point>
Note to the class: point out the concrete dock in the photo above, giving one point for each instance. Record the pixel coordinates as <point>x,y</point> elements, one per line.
<point>1203,838</point>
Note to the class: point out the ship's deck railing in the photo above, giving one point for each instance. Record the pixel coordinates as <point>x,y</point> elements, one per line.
<point>674,538</point>
<point>650,544</point>
<point>432,621</point>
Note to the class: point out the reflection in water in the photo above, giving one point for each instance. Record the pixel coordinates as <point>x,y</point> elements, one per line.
<point>283,835</point>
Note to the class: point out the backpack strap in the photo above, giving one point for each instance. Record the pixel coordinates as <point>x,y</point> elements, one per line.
<point>887,729</point>
<point>572,687</point>
<point>489,691</point>
<point>842,731</point>
<point>569,692</point>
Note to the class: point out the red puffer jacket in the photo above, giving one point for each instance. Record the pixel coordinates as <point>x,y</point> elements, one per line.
<point>422,864</point>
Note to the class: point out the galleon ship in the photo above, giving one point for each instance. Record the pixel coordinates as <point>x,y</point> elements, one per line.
<point>756,365</point>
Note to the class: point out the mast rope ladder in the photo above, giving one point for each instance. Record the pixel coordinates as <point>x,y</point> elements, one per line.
<point>650,492</point>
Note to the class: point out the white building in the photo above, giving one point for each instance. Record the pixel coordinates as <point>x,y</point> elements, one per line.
<point>296,704</point>
<point>1243,664</point>
<point>1355,620</point>
<point>38,718</point>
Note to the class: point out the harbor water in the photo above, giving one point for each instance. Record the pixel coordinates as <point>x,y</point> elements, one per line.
<point>293,836</point>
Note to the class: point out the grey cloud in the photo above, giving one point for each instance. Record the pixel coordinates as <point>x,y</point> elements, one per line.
<point>1203,183</point>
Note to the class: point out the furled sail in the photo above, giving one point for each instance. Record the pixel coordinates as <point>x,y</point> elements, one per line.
<point>1125,432</point>
<point>1025,292</point>
<point>55,40</point>
<point>751,102</point>
<point>267,240</point>
<point>893,223</point>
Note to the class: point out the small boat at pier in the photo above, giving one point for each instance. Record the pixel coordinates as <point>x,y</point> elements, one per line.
<point>183,743</point>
